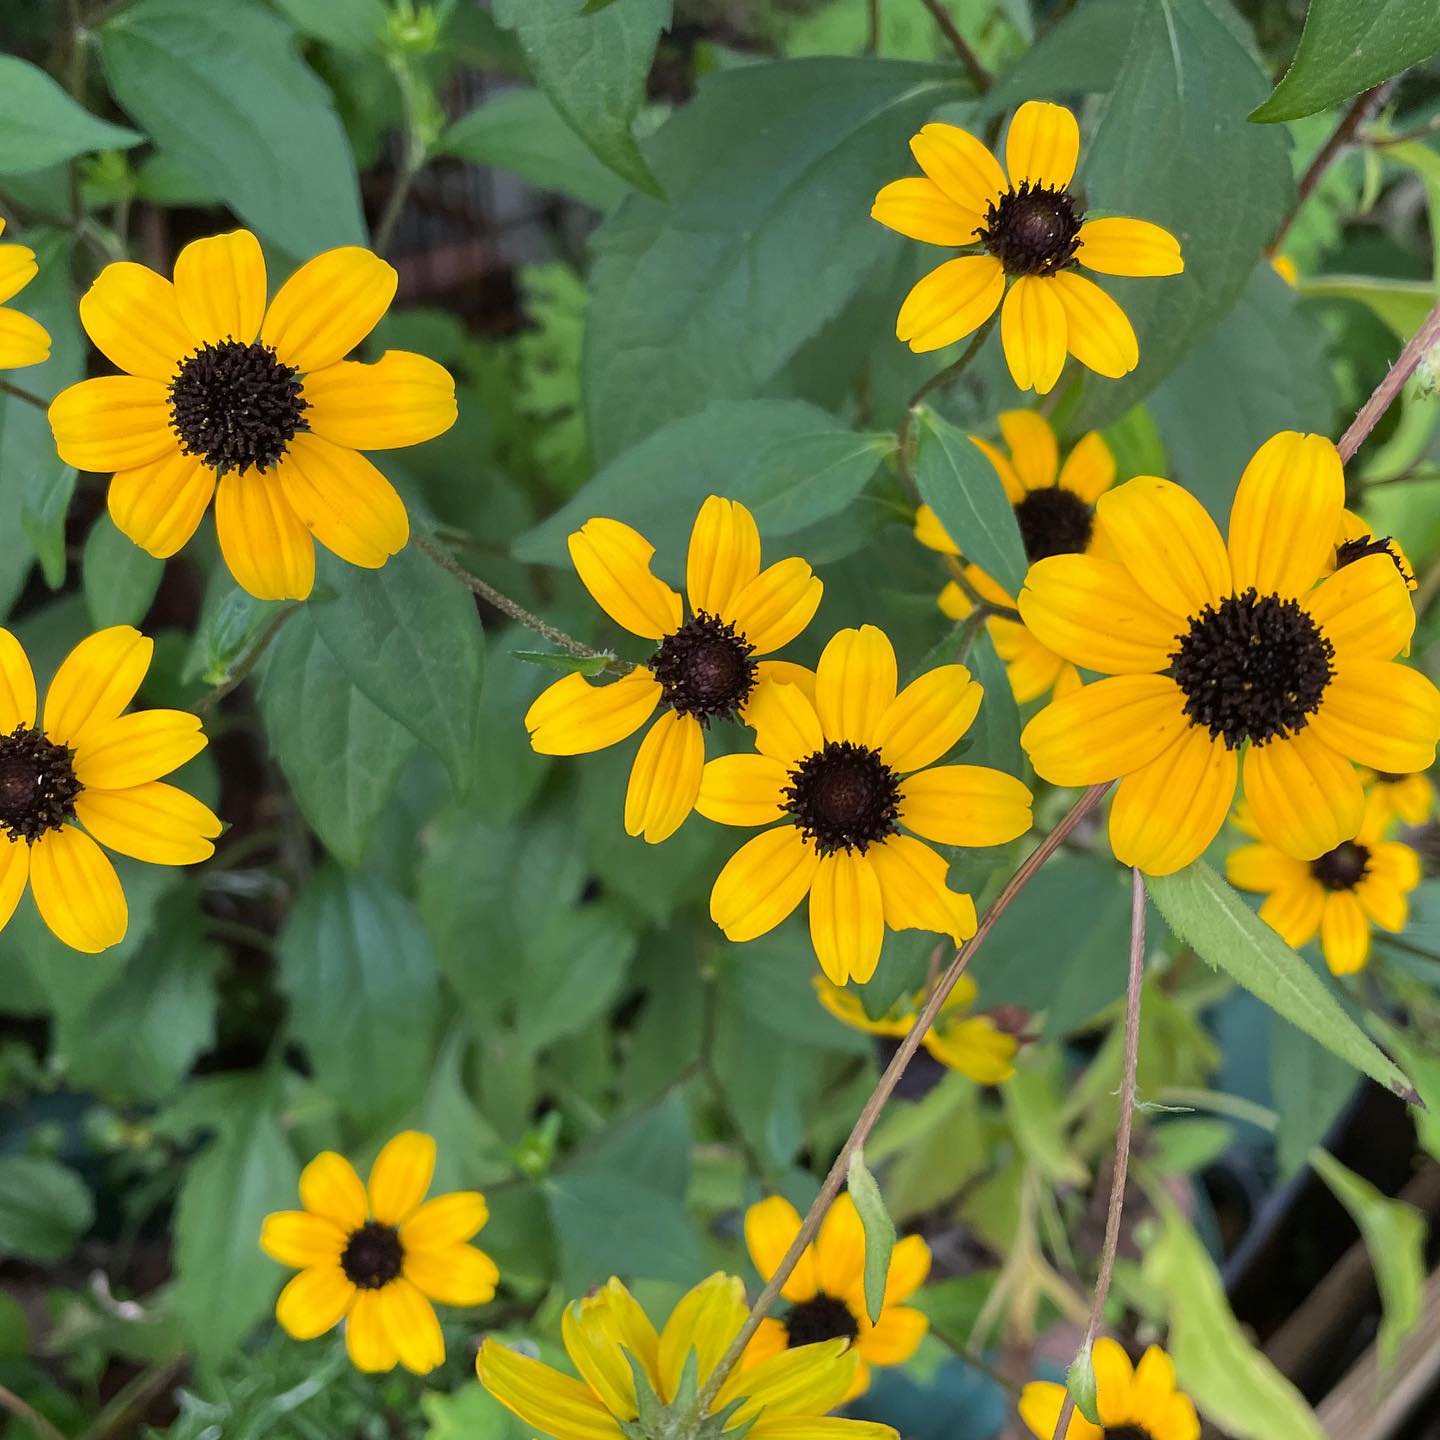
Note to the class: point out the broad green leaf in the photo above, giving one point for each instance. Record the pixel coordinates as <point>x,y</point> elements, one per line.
<point>1082,52</point>
<point>771,170</point>
<point>224,92</point>
<point>1394,1235</point>
<point>1208,915</point>
<point>965,491</point>
<point>1346,48</point>
<point>1400,304</point>
<point>353,958</point>
<point>1309,1086</point>
<point>1185,1147</point>
<point>562,661</point>
<point>575,964</point>
<point>994,737</point>
<point>879,1233</point>
<point>1033,1105</point>
<point>594,68</point>
<point>1232,1383</point>
<point>357,25</point>
<point>521,131</point>
<point>45,1208</point>
<point>120,578</point>
<point>40,125</point>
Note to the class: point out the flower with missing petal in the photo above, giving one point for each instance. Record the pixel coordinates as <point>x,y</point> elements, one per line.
<point>87,761</point>
<point>848,762</point>
<point>377,1255</point>
<point>1356,538</point>
<point>1033,233</point>
<point>1219,654</point>
<point>704,669</point>
<point>23,341</point>
<point>256,405</point>
<point>1055,510</point>
<point>1134,1403</point>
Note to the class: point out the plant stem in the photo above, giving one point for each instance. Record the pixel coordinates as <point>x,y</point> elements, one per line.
<point>904,443</point>
<point>984,606</point>
<point>20,393</point>
<point>238,676</point>
<point>10,1401</point>
<point>1424,339</point>
<point>1122,1135</point>
<point>872,30</point>
<point>978,73</point>
<point>411,162</point>
<point>885,1087</point>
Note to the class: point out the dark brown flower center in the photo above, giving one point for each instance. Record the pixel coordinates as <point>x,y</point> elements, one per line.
<point>373,1255</point>
<point>844,797</point>
<point>1342,868</point>
<point>1358,549</point>
<point>821,1318</point>
<point>1126,1432</point>
<point>38,787</point>
<point>705,669</point>
<point>1054,521</point>
<point>236,406</point>
<point>1034,230</point>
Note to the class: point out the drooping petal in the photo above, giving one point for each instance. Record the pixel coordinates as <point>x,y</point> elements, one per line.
<point>774,607</point>
<point>367,1340</point>
<point>771,1226</point>
<point>135,748</point>
<point>298,1238</point>
<point>220,286</point>
<point>1304,797</point>
<point>1034,451</point>
<point>1105,730</point>
<point>1089,469</point>
<point>77,891</point>
<point>23,340</point>
<point>14,874</point>
<point>95,682</point>
<point>160,504</point>
<point>117,422</point>
<point>155,822</point>
<point>1168,811</point>
<point>927,718</point>
<point>1344,933</point>
<point>401,399</point>
<point>330,1187</point>
<point>950,302</point>
<point>327,307</point>
<point>574,717</point>
<point>1382,714</point>
<point>855,684</point>
<point>665,778</point>
<point>400,1177</point>
<point>344,501</point>
<point>915,891</point>
<point>17,685</point>
<point>614,1315</point>
<point>454,1275</point>
<point>724,555</point>
<point>266,545</point>
<point>1042,146</point>
<point>960,165</point>
<point>1099,335</point>
<point>742,790</point>
<point>410,1321</point>
<point>133,316</point>
<point>705,1321</point>
<point>551,1401</point>
<point>763,882</point>
<point>920,209</point>
<point>1128,247</point>
<point>1364,608</point>
<point>1033,329</point>
<point>847,917</point>
<point>314,1301</point>
<point>602,1363</point>
<point>613,562</point>
<point>968,805</point>
<point>804,1381</point>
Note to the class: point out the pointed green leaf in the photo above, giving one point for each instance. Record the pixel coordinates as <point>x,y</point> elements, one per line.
<point>40,125</point>
<point>566,664</point>
<point>1080,1382</point>
<point>879,1233</point>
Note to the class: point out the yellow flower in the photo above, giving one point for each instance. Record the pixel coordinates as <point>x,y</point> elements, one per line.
<point>1033,234</point>
<point>88,761</point>
<point>1210,651</point>
<point>705,667</point>
<point>1055,510</point>
<point>826,1290</point>
<point>1134,1404</point>
<point>1363,881</point>
<point>849,762</point>
<point>1286,269</point>
<point>23,341</point>
<point>972,1044</point>
<point>375,1256</point>
<point>257,406</point>
<point>786,1397</point>
<point>1410,798</point>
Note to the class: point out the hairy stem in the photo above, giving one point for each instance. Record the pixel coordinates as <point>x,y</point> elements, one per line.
<point>904,436</point>
<point>978,73</point>
<point>983,606</point>
<point>1424,339</point>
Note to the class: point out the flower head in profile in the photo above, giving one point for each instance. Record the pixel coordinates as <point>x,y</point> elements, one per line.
<point>610,1340</point>
<point>1055,511</point>
<point>826,1290</point>
<point>1341,895</point>
<point>973,1045</point>
<point>704,669</point>
<point>1134,1403</point>
<point>1409,799</point>
<point>848,765</point>
<point>86,763</point>
<point>1032,233</point>
<point>377,1255</point>
<point>255,405</point>
<point>23,341</point>
<point>1216,653</point>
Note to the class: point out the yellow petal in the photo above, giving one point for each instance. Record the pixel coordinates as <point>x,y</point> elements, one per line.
<point>724,555</point>
<point>855,684</point>
<point>1105,730</point>
<point>705,1321</point>
<point>546,1399</point>
<point>1344,933</point>
<point>771,1226</point>
<point>895,1337</point>
<point>1304,797</point>
<point>784,672</point>
<point>445,1221</point>
<point>613,562</point>
<point>344,501</point>
<point>401,399</point>
<point>847,918</point>
<point>909,1268</point>
<point>805,1381</point>
<point>366,1338</point>
<point>315,1301</point>
<point>914,890</point>
<point>155,822</point>
<point>1113,1380</point>
<point>665,778</point>
<point>777,604</point>
<point>455,1275</point>
<point>265,543</point>
<point>298,1238</point>
<point>601,1362</point>
<point>23,340</point>
<point>1034,451</point>
<point>409,1320</point>
<point>14,874</point>
<point>976,1048</point>
<point>1040,1404</point>
<point>1042,146</point>
<point>1009,478</point>
<point>1168,811</point>
<point>400,1177</point>
<point>17,269</point>
<point>960,165</point>
<point>327,307</point>
<point>1033,331</point>
<point>574,717</point>
<point>160,504</point>
<point>1089,469</point>
<point>1382,714</point>
<point>95,682</point>
<point>1293,911</point>
<point>742,790</point>
<point>965,805</point>
<point>330,1187</point>
<point>1263,868</point>
<point>927,718</point>
<point>840,1249</point>
<point>135,748</point>
<point>786,725</point>
<point>1383,902</point>
<point>77,891</point>
<point>17,685</point>
<point>951,301</point>
<point>931,533</point>
<point>132,315</point>
<point>1128,247</point>
<point>1099,335</point>
<point>1364,608</point>
<point>117,422</point>
<point>762,883</point>
<point>920,209</point>
<point>822,1427</point>
<point>220,286</point>
<point>614,1314</point>
<point>770,1339</point>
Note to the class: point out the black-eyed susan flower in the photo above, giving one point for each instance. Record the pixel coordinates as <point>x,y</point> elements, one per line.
<point>1055,510</point>
<point>826,1290</point>
<point>974,1045</point>
<point>376,1255</point>
<point>846,763</point>
<point>86,761</point>
<point>1214,653</point>
<point>1033,233</point>
<point>1408,798</point>
<point>610,1340</point>
<point>1134,1403</point>
<point>256,406</point>
<point>705,668</point>
<point>23,341</point>
<point>1363,882</point>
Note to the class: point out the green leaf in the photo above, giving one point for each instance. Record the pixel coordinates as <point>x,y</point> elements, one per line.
<point>120,578</point>
<point>1207,914</point>
<point>575,965</point>
<point>357,25</point>
<point>1394,1234</point>
<point>1400,304</point>
<point>1033,1105</point>
<point>1308,1087</point>
<point>521,131</point>
<point>594,69</point>
<point>1080,1382</point>
<point>771,170</point>
<point>1346,48</point>
<point>1423,1066</point>
<point>44,1208</point>
<point>364,993</point>
<point>965,491</point>
<point>224,92</point>
<point>563,662</point>
<point>40,125</point>
<point>409,639</point>
<point>879,1233</point>
<point>1082,52</point>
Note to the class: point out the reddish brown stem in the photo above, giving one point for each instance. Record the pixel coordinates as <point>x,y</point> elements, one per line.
<point>1424,339</point>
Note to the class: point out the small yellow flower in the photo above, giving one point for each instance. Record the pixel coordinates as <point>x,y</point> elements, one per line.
<point>1134,1404</point>
<point>972,1044</point>
<point>88,761</point>
<point>375,1256</point>
<point>23,341</point>
<point>256,406</point>
<point>607,1332</point>
<point>826,1290</point>
<point>849,762</point>
<point>705,667</point>
<point>1033,234</point>
<point>1410,798</point>
<point>1055,510</point>
<point>1211,651</point>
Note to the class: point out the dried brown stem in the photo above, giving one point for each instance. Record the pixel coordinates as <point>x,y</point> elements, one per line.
<point>1424,339</point>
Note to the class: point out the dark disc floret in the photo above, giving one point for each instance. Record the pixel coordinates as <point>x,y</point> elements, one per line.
<point>1054,521</point>
<point>1251,668</point>
<point>1352,550</point>
<point>705,669</point>
<point>844,797</point>
<point>1126,1432</point>
<point>236,406</point>
<point>1034,230</point>
<point>373,1255</point>
<point>38,787</point>
<point>1342,868</point>
<point>821,1318</point>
